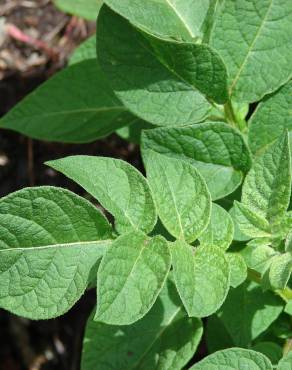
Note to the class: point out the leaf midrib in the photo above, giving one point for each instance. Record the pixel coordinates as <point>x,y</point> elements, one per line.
<point>179,15</point>
<point>159,334</point>
<point>249,51</point>
<point>81,244</point>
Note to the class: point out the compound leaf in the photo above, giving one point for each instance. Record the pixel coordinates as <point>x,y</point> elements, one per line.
<point>50,240</point>
<point>152,83</point>
<point>169,339</point>
<point>220,230</point>
<point>217,150</point>
<point>234,359</point>
<point>117,185</point>
<point>254,39</point>
<point>130,277</point>
<point>74,106</point>
<point>181,196</point>
<point>248,311</point>
<point>201,276</point>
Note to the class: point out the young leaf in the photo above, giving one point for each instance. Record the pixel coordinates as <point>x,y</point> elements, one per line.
<point>234,359</point>
<point>117,185</point>
<point>267,187</point>
<point>217,150</point>
<point>87,9</point>
<point>166,18</point>
<point>201,276</point>
<point>74,106</point>
<point>286,362</point>
<point>50,240</point>
<point>248,311</point>
<point>255,40</point>
<point>259,257</point>
<point>181,195</point>
<point>278,273</point>
<point>288,242</point>
<point>86,51</point>
<point>145,77</point>
<point>238,269</point>
<point>168,341</point>
<point>274,108</point>
<point>250,223</point>
<point>219,232</point>
<point>130,277</point>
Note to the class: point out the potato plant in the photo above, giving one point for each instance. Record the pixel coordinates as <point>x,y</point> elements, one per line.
<point>203,86</point>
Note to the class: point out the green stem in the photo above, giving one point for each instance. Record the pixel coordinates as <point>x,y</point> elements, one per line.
<point>231,117</point>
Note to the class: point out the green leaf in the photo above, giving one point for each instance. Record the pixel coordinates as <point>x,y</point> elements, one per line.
<point>152,84</point>
<point>238,269</point>
<point>166,18</point>
<point>168,341</point>
<point>238,235</point>
<point>254,39</point>
<point>181,196</point>
<point>274,108</point>
<point>288,307</point>
<point>250,223</point>
<point>234,359</point>
<point>85,51</point>
<point>286,362</point>
<point>90,111</point>
<point>87,9</point>
<point>267,187</point>
<point>130,277</point>
<point>278,273</point>
<point>201,276</point>
<point>219,232</point>
<point>217,151</point>
<point>117,185</point>
<point>272,350</point>
<point>133,132</point>
<point>248,311</point>
<point>288,242</point>
<point>259,257</point>
<point>50,240</point>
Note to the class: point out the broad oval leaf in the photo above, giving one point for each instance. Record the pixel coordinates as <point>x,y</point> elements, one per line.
<point>234,359</point>
<point>144,76</point>
<point>267,187</point>
<point>270,119</point>
<point>118,186</point>
<point>166,18</point>
<point>169,339</point>
<point>220,230</point>
<point>50,240</point>
<point>248,311</point>
<point>181,196</point>
<point>254,39</point>
<point>201,276</point>
<point>218,151</point>
<point>89,112</point>
<point>130,277</point>
<point>278,272</point>
<point>87,9</point>
<point>270,349</point>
